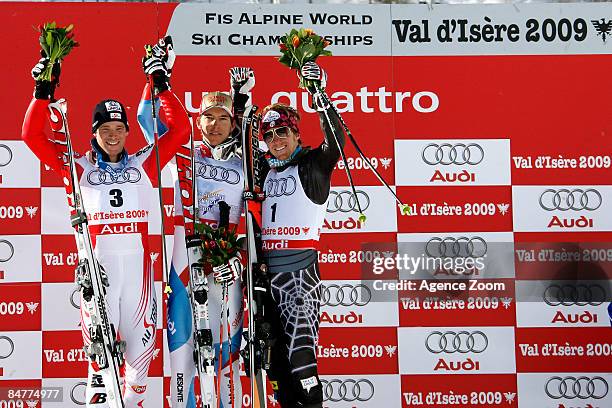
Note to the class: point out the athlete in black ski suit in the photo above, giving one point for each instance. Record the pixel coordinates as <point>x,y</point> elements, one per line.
<point>297,186</point>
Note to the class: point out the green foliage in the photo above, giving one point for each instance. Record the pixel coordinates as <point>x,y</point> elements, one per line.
<point>56,43</point>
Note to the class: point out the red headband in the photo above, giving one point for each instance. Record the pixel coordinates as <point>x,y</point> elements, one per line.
<point>274,119</point>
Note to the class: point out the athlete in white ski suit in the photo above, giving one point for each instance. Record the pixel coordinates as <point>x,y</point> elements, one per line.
<point>219,175</point>
<point>120,199</point>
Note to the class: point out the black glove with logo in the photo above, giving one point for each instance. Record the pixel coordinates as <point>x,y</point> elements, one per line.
<point>45,89</point>
<point>158,63</point>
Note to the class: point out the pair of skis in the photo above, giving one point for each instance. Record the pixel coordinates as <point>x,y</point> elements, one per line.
<point>104,351</point>
<point>198,286</point>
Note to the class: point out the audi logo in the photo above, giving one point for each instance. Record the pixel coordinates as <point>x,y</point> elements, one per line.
<point>280,186</point>
<point>576,387</point>
<point>6,255</point>
<point>127,175</point>
<point>565,199</point>
<point>347,390</point>
<point>217,173</point>
<point>78,397</point>
<point>11,347</point>
<point>346,295</point>
<point>344,201</point>
<point>6,155</point>
<point>456,342</point>
<point>75,303</point>
<point>447,154</point>
<point>450,247</point>
<point>579,295</point>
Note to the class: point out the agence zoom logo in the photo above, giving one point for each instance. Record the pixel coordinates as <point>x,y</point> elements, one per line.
<point>574,295</point>
<point>6,155</point>
<point>565,199</point>
<point>456,342</point>
<point>451,247</point>
<point>347,390</point>
<point>217,173</point>
<point>345,295</point>
<point>447,154</point>
<point>576,387</point>
<point>345,201</point>
<point>281,186</point>
<point>127,175</point>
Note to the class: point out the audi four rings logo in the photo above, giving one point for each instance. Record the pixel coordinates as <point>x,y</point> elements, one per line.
<point>451,247</point>
<point>75,303</point>
<point>7,347</point>
<point>347,390</point>
<point>447,154</point>
<point>280,186</point>
<point>128,175</point>
<point>344,201</point>
<point>565,199</point>
<point>217,173</point>
<point>578,295</point>
<point>576,387</point>
<point>78,397</point>
<point>346,295</point>
<point>456,342</point>
<point>6,250</point>
<point>6,155</point>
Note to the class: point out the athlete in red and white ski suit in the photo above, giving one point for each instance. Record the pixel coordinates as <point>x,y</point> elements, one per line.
<point>120,199</point>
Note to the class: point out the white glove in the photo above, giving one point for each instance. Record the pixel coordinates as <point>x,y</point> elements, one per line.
<point>39,67</point>
<point>242,79</point>
<point>228,272</point>
<point>154,65</point>
<point>314,72</point>
<point>164,49</point>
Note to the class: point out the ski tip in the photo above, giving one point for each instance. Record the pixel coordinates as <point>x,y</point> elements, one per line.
<point>405,209</point>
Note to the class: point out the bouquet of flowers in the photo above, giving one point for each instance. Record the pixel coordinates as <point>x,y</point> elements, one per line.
<point>218,244</point>
<point>300,46</point>
<point>56,43</point>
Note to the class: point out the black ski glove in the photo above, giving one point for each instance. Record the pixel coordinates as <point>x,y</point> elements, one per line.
<point>158,63</point>
<point>45,89</point>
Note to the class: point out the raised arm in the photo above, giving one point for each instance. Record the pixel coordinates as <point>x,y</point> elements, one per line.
<point>32,131</point>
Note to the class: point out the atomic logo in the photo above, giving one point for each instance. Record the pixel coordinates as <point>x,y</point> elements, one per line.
<point>31,211</point>
<point>603,27</point>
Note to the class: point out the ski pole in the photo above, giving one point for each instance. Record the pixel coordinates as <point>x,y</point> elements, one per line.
<point>362,216</point>
<point>403,207</point>
<point>165,270</point>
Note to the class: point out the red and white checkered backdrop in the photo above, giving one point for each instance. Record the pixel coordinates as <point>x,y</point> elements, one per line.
<point>491,121</point>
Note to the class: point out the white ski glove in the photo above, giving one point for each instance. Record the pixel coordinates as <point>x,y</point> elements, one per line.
<point>228,272</point>
<point>242,79</point>
<point>313,72</point>
<point>164,49</point>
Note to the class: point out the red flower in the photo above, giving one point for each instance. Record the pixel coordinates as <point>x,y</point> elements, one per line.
<point>326,43</point>
<point>283,47</point>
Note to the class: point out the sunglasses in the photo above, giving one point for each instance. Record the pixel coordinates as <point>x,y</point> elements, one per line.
<point>281,133</point>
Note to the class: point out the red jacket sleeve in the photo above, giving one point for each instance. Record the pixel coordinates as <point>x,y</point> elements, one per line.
<point>33,134</point>
<point>179,129</point>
